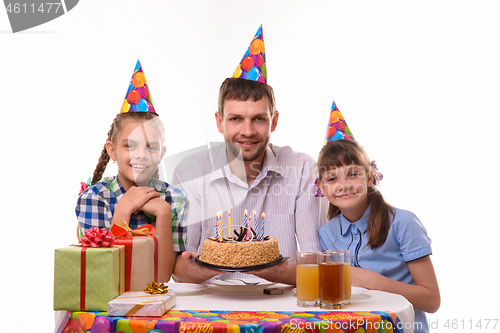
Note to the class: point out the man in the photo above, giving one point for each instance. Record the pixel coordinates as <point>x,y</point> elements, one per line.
<point>248,172</point>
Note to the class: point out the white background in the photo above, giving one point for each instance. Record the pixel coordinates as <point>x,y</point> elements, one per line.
<point>418,83</point>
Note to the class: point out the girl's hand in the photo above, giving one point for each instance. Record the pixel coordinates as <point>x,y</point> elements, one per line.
<point>361,277</point>
<point>424,294</point>
<point>157,207</point>
<point>132,201</point>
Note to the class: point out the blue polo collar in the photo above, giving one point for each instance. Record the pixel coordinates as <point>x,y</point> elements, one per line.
<point>361,224</point>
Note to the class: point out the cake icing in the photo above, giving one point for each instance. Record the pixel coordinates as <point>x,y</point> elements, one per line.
<point>232,253</point>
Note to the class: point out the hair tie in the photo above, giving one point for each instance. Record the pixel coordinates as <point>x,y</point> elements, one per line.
<point>378,176</point>
<point>317,190</point>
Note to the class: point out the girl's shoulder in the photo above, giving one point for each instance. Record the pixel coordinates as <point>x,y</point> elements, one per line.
<point>409,232</point>
<point>407,223</point>
<point>331,224</point>
<point>403,216</point>
<point>102,185</point>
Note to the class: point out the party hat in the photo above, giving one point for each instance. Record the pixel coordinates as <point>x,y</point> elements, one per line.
<point>337,127</point>
<point>138,97</point>
<point>253,64</point>
<point>337,130</point>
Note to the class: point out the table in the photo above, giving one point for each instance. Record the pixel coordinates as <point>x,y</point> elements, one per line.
<point>245,309</point>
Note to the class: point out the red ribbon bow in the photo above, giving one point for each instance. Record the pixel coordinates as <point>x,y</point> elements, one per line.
<point>120,228</point>
<point>95,237</point>
<point>83,187</point>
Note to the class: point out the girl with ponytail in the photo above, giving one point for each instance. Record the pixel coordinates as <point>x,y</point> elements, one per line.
<point>389,246</point>
<point>136,196</point>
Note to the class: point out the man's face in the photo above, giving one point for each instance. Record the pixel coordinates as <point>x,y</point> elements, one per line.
<point>247,127</point>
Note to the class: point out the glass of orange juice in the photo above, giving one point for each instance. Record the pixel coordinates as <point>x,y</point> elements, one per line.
<point>347,275</point>
<point>307,282</point>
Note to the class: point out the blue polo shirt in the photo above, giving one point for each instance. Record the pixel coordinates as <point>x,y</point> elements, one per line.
<point>407,240</point>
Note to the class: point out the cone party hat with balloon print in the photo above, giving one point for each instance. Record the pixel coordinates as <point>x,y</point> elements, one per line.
<point>337,130</point>
<point>337,127</point>
<point>138,97</point>
<point>253,64</point>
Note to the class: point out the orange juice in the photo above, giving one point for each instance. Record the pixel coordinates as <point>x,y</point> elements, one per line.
<point>347,281</point>
<point>307,282</point>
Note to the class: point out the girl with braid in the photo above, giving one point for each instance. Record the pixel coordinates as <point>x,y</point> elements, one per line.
<point>136,196</point>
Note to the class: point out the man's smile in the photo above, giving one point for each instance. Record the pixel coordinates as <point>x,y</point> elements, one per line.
<point>247,143</point>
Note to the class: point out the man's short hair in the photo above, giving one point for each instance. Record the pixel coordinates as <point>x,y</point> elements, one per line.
<point>242,90</point>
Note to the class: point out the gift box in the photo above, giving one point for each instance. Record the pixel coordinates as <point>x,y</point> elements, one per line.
<point>139,303</point>
<point>141,254</point>
<point>86,279</point>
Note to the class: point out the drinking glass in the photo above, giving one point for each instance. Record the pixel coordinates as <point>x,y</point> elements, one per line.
<point>331,279</point>
<point>347,275</point>
<point>307,282</point>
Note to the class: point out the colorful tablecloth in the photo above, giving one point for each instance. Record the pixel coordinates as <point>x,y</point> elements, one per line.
<point>192,321</point>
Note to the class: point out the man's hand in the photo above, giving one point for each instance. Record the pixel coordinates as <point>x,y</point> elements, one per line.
<point>189,272</point>
<point>282,273</point>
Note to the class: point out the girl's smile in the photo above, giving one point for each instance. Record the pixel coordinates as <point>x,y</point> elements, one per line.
<point>347,187</point>
<point>138,152</point>
<point>346,195</point>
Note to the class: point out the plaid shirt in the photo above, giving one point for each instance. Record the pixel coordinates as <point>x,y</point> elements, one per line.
<point>96,205</point>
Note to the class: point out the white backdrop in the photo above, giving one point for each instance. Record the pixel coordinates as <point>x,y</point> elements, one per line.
<point>418,84</point>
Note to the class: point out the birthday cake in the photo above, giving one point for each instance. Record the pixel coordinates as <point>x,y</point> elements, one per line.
<point>234,253</point>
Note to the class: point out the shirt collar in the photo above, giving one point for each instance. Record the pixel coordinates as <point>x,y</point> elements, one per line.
<point>270,164</point>
<point>361,224</point>
<point>159,185</point>
<point>118,190</point>
<point>116,187</point>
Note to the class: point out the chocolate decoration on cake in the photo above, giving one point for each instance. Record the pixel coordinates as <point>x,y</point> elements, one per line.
<point>241,235</point>
<point>237,252</point>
